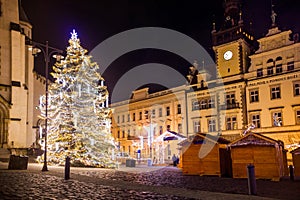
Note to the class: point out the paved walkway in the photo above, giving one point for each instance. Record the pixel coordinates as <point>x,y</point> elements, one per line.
<point>140,182</point>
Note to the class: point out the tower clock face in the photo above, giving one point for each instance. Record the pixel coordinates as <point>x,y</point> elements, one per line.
<point>228,55</point>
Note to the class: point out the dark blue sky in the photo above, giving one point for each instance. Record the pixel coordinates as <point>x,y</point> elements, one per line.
<point>97,20</point>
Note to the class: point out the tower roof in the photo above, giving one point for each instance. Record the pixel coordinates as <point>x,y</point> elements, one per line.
<point>22,15</point>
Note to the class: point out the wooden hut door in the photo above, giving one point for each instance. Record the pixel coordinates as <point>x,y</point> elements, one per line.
<point>225,163</point>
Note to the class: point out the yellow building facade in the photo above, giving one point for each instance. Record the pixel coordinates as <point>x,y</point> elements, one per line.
<point>137,124</point>
<point>256,86</point>
<point>273,87</point>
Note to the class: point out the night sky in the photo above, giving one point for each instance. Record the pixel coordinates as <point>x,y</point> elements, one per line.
<point>97,20</point>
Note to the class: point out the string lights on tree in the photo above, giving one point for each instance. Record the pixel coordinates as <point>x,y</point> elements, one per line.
<point>78,114</point>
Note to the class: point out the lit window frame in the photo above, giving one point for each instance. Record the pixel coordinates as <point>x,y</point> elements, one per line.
<point>297,116</point>
<point>278,114</point>
<point>275,92</point>
<point>255,119</point>
<point>296,88</point>
<point>211,125</point>
<point>254,95</point>
<point>231,122</point>
<point>196,126</point>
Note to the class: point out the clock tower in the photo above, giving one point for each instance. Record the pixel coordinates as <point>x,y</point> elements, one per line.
<point>232,44</point>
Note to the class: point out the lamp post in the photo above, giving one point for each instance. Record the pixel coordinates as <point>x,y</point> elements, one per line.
<point>47,53</point>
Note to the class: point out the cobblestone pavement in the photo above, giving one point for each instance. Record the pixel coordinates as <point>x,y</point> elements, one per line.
<point>140,182</point>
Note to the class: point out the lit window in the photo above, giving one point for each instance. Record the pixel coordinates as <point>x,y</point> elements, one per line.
<point>231,123</point>
<point>196,126</point>
<point>168,127</point>
<point>179,109</point>
<point>275,92</point>
<point>255,118</point>
<point>297,88</point>
<point>290,66</point>
<point>203,104</point>
<point>179,128</point>
<point>278,62</point>
<point>254,96</point>
<point>259,72</point>
<point>211,125</point>
<point>128,132</point>
<point>230,99</point>
<point>195,105</point>
<point>168,111</point>
<point>297,116</point>
<point>146,114</point>
<point>160,112</point>
<point>270,70</point>
<point>134,132</point>
<point>278,68</point>
<point>154,130</point>
<point>211,103</point>
<point>160,130</point>
<point>277,118</point>
<point>153,113</point>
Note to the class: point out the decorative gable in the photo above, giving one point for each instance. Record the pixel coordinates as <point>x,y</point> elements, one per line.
<point>274,39</point>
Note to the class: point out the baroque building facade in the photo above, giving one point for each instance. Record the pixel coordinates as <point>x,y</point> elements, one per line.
<point>150,125</point>
<point>256,86</point>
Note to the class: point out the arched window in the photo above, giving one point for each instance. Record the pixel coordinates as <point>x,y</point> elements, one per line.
<point>278,64</point>
<point>270,67</point>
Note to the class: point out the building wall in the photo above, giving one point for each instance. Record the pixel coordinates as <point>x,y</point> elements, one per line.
<point>233,108</point>
<point>146,108</point>
<point>16,75</point>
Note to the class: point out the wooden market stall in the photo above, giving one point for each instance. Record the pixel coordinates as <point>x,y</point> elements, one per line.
<point>266,154</point>
<point>204,154</point>
<point>296,161</point>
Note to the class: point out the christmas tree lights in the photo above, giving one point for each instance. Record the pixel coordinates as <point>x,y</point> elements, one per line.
<point>78,114</point>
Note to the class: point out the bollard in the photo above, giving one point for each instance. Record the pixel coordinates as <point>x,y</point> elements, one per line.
<point>251,179</point>
<point>292,175</point>
<point>67,168</point>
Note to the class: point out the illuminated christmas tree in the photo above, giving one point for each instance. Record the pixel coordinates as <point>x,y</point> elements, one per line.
<point>78,113</point>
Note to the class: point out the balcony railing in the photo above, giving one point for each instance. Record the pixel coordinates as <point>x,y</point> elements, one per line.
<point>229,106</point>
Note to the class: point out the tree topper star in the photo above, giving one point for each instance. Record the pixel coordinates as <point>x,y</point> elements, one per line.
<point>74,35</point>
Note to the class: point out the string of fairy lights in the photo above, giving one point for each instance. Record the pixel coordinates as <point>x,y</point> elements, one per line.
<point>78,114</point>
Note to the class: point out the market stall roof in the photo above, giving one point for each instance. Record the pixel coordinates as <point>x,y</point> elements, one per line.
<point>252,138</point>
<point>169,135</point>
<point>296,151</point>
<point>200,138</point>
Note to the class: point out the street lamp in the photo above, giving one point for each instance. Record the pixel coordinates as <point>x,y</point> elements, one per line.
<point>47,53</point>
